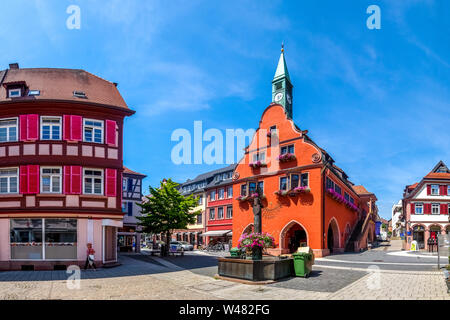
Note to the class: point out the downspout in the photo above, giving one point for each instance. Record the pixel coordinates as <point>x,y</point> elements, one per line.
<point>322,173</point>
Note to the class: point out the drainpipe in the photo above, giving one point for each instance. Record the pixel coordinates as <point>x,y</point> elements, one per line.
<point>323,202</point>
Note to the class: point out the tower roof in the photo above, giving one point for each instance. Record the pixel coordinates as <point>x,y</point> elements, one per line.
<point>282,70</point>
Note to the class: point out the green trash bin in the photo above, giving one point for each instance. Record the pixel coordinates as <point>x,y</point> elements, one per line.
<point>302,264</point>
<point>235,252</point>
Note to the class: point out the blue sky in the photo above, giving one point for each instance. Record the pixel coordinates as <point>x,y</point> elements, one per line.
<point>377,100</point>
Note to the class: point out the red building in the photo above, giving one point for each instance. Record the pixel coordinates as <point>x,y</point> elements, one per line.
<point>219,206</point>
<point>60,167</point>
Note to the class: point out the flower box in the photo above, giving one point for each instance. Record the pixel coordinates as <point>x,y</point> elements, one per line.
<point>286,157</point>
<point>301,189</point>
<point>242,198</point>
<point>257,164</point>
<point>341,199</point>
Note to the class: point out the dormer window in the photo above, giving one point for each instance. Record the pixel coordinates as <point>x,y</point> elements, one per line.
<point>15,93</point>
<point>79,94</point>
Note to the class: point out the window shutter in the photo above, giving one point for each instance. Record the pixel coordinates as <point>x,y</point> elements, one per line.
<point>66,179</point>
<point>443,190</point>
<point>23,185</point>
<point>111,182</point>
<point>23,127</point>
<point>76,125</point>
<point>413,208</point>
<point>75,179</point>
<point>428,189</point>
<point>111,132</point>
<point>66,129</point>
<point>444,208</point>
<point>32,127</point>
<point>33,179</point>
<point>427,208</point>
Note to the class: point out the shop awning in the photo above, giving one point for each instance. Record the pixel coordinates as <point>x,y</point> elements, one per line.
<point>216,233</point>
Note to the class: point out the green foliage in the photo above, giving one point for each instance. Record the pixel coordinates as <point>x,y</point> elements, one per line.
<point>166,209</point>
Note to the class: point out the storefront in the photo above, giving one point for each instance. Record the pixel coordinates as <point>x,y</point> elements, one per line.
<point>218,237</point>
<point>55,243</point>
<point>419,236</point>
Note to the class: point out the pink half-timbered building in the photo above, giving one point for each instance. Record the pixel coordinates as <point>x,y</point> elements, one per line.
<point>60,167</point>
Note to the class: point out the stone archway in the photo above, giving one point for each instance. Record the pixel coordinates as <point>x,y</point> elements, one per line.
<point>248,229</point>
<point>293,236</point>
<point>435,230</point>
<point>333,238</point>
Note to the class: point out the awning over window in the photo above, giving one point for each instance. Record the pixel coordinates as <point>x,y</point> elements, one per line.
<point>216,233</point>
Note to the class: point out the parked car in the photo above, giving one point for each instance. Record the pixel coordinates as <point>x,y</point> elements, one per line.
<point>178,244</point>
<point>183,244</point>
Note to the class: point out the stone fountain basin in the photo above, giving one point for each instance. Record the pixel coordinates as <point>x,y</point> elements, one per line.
<point>269,268</point>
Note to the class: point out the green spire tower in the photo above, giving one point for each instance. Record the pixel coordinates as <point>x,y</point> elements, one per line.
<point>282,86</point>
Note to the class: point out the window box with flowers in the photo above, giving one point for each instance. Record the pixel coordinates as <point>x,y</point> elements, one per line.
<point>286,157</point>
<point>341,199</point>
<point>242,198</point>
<point>281,193</point>
<point>300,189</point>
<point>255,195</point>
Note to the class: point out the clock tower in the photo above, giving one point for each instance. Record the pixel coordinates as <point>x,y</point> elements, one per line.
<point>282,86</point>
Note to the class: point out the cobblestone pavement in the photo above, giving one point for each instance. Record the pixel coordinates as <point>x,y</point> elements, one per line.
<point>154,278</point>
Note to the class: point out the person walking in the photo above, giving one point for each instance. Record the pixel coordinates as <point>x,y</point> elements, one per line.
<point>90,257</point>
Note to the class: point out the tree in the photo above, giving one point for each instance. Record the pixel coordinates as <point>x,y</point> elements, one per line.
<point>166,209</point>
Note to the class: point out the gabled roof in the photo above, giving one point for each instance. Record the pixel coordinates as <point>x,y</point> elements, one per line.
<point>59,84</point>
<point>440,171</point>
<point>360,190</point>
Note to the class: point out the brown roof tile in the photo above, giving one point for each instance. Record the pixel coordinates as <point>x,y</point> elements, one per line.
<point>438,175</point>
<point>126,170</point>
<point>361,190</point>
<point>59,84</point>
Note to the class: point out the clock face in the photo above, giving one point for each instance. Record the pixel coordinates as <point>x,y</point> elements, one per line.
<point>278,96</point>
<point>288,97</point>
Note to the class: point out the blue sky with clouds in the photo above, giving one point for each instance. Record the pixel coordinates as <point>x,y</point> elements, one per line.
<point>377,100</point>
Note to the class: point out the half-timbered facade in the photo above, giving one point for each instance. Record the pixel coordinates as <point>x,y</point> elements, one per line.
<point>427,207</point>
<point>129,236</point>
<point>60,167</point>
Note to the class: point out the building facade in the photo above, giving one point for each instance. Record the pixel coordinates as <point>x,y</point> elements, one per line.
<point>397,221</point>
<point>129,236</point>
<point>219,207</point>
<point>60,167</point>
<point>308,200</point>
<point>426,205</point>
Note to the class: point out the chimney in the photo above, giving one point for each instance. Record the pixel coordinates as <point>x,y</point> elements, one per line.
<point>14,65</point>
<point>115,84</point>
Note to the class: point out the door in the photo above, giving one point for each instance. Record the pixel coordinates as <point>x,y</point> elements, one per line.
<point>330,239</point>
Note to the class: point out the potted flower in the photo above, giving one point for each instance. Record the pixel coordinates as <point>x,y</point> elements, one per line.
<point>248,242</point>
<point>256,164</point>
<point>300,189</point>
<point>281,192</point>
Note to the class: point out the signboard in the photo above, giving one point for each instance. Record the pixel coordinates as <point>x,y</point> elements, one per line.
<point>173,248</point>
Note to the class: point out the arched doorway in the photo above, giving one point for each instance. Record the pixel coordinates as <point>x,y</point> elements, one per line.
<point>293,236</point>
<point>333,235</point>
<point>248,229</point>
<point>419,235</point>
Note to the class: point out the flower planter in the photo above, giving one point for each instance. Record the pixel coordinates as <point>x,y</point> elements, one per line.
<point>297,190</point>
<point>257,164</point>
<point>281,193</point>
<point>242,198</point>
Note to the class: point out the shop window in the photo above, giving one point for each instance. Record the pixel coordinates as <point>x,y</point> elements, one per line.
<point>60,239</point>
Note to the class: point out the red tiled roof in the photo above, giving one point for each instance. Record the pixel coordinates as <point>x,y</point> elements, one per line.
<point>126,170</point>
<point>438,175</point>
<point>413,186</point>
<point>59,84</point>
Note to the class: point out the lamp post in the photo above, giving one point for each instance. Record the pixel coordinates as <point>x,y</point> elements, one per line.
<point>257,206</point>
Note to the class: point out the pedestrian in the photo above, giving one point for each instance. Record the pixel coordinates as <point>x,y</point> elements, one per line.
<point>90,257</point>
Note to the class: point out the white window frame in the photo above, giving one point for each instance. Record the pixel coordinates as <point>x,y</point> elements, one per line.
<point>223,194</point>
<point>10,126</point>
<point>210,195</point>
<point>93,187</point>
<point>434,206</point>
<point>209,213</point>
<point>9,180</point>
<point>258,155</point>
<point>42,118</point>
<point>301,181</point>
<point>200,199</point>
<point>227,216</point>
<point>229,194</point>
<point>60,175</point>
<point>287,183</point>
<point>418,205</point>
<point>14,90</point>
<point>88,126</point>
<point>287,148</point>
<point>437,189</point>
